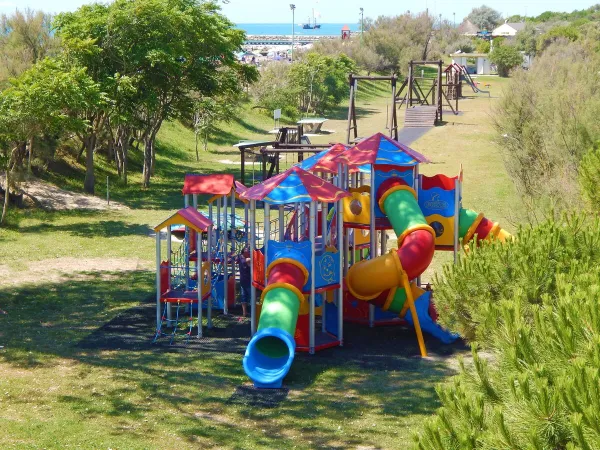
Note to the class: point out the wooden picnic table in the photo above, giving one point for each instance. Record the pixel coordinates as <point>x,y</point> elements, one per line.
<point>312,125</point>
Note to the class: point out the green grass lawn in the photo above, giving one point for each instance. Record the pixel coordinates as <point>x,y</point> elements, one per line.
<point>61,388</point>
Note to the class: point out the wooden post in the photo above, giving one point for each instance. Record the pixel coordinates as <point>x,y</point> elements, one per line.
<point>243,166</point>
<point>350,108</point>
<point>410,84</point>
<point>439,92</point>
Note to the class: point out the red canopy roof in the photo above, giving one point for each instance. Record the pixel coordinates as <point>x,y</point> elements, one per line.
<point>380,149</point>
<point>295,185</point>
<point>345,28</point>
<point>217,184</point>
<point>326,164</point>
<point>189,217</point>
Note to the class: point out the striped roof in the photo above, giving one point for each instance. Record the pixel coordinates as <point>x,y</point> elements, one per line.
<point>295,185</point>
<point>380,149</point>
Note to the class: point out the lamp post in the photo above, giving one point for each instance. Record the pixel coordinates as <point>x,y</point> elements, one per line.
<point>362,22</point>
<point>454,16</point>
<point>293,8</point>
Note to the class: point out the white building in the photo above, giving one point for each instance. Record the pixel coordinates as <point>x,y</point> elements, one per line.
<point>508,29</point>
<point>478,63</point>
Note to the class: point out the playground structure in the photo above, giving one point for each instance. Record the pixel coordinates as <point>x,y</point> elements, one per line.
<point>423,96</point>
<point>204,257</point>
<point>319,256</point>
<point>328,262</point>
<point>455,75</point>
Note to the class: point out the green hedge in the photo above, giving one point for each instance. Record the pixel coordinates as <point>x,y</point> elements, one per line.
<point>527,267</point>
<point>534,381</point>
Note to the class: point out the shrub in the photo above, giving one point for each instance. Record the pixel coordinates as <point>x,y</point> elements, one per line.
<point>524,268</point>
<point>506,58</point>
<point>546,121</point>
<point>538,384</point>
<point>589,176</point>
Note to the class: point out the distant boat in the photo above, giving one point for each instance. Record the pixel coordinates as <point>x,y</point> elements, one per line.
<point>311,25</point>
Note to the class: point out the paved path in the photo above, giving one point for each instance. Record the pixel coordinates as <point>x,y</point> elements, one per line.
<point>409,135</point>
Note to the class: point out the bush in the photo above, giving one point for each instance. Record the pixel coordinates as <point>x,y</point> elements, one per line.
<point>546,121</point>
<point>538,384</point>
<point>527,268</point>
<point>589,176</point>
<point>506,58</point>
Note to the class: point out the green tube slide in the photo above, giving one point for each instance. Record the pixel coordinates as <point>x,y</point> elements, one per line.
<point>279,310</point>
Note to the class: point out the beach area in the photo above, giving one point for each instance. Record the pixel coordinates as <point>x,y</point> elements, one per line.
<point>273,41</point>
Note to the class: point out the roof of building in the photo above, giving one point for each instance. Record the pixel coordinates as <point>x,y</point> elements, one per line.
<point>345,28</point>
<point>468,27</point>
<point>517,26</point>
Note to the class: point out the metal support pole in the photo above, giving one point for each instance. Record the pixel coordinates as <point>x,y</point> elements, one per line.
<point>199,278</point>
<point>252,240</point>
<point>209,244</point>
<point>456,216</point>
<point>340,291</point>
<point>372,237</point>
<point>169,311</point>
<point>225,257</point>
<point>312,233</point>
<point>324,224</point>
<point>195,201</point>
<point>186,200</point>
<point>158,287</point>
<point>267,228</point>
<point>281,224</point>
<point>233,242</point>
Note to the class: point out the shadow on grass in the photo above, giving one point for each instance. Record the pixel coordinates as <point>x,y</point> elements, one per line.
<point>107,320</point>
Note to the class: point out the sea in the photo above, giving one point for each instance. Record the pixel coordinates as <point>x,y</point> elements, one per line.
<point>284,29</point>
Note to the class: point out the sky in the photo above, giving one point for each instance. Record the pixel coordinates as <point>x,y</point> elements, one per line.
<point>338,11</point>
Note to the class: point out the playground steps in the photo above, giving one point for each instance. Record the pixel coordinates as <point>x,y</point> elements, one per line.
<point>420,116</point>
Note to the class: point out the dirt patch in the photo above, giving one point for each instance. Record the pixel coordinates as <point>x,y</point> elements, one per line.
<point>55,270</point>
<point>48,196</point>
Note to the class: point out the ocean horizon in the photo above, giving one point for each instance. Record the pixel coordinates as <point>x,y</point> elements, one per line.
<point>284,29</point>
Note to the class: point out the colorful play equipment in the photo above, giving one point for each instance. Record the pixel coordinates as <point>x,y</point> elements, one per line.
<point>354,196</point>
<point>319,253</point>
<point>297,278</point>
<point>212,249</point>
<point>182,296</point>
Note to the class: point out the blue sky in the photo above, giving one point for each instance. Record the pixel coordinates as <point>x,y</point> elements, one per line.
<point>337,11</point>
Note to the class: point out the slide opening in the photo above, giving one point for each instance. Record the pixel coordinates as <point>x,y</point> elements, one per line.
<point>269,357</point>
<point>272,347</point>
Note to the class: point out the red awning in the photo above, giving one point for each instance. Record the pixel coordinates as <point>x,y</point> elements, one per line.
<point>217,184</point>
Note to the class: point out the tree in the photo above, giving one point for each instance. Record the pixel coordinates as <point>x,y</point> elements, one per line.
<point>158,42</point>
<point>399,39</point>
<point>506,58</point>
<point>39,101</point>
<point>567,32</point>
<point>484,17</point>
<point>526,39</point>
<point>83,34</point>
<point>164,53</point>
<point>545,134</point>
<point>25,38</point>
<point>322,81</point>
<point>209,112</point>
